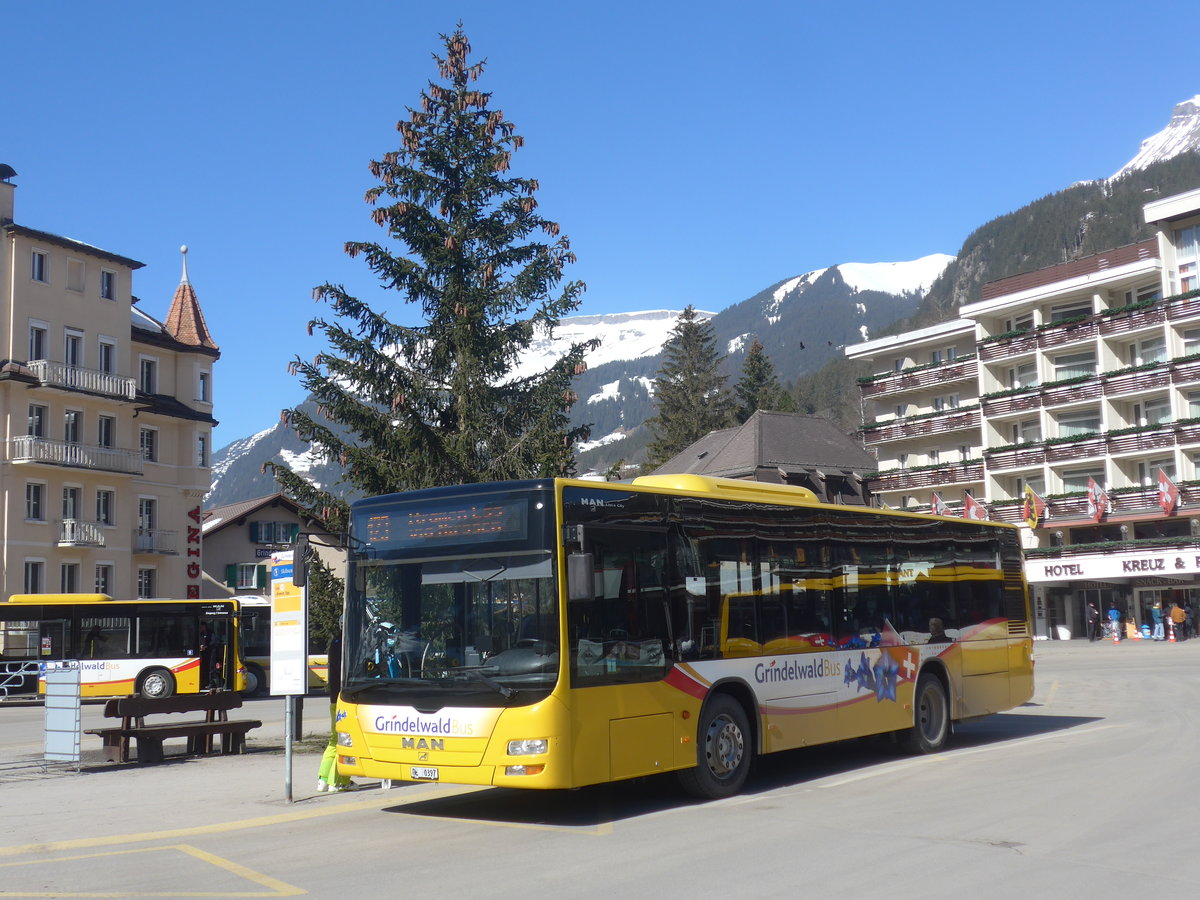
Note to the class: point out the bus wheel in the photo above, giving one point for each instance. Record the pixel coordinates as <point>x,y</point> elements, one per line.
<point>931,717</point>
<point>256,681</point>
<point>157,683</point>
<point>723,751</point>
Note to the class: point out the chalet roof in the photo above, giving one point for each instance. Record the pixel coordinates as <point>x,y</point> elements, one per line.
<point>219,516</point>
<point>785,443</point>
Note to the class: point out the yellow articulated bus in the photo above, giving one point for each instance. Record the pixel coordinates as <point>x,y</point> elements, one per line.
<point>153,647</point>
<point>560,633</point>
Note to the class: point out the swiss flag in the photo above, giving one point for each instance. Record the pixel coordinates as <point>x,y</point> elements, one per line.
<point>1168,494</point>
<point>973,509</point>
<point>938,506</point>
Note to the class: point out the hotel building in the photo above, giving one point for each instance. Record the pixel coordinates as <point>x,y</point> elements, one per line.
<point>1066,400</point>
<point>107,422</point>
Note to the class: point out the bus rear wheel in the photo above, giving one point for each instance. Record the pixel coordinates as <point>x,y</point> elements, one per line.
<point>724,749</point>
<point>156,683</point>
<point>256,681</point>
<point>931,717</point>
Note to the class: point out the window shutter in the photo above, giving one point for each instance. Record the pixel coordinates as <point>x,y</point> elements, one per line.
<point>262,576</point>
<point>295,531</point>
<point>254,533</point>
<point>231,575</point>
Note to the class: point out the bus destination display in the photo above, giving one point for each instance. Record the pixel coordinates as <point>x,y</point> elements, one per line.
<point>461,523</point>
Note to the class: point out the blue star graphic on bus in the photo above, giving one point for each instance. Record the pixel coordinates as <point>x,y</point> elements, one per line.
<point>866,678</point>
<point>885,678</point>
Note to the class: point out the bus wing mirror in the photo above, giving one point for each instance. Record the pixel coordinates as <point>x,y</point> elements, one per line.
<point>581,583</point>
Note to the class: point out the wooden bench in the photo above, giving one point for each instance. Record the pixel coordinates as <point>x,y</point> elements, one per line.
<point>132,711</point>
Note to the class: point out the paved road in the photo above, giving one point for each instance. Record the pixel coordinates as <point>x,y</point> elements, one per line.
<point>1082,793</point>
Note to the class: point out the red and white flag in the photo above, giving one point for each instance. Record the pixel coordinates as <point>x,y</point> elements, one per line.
<point>973,509</point>
<point>938,506</point>
<point>1097,500</point>
<point>1168,494</point>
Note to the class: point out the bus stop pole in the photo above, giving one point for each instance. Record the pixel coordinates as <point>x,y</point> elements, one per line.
<point>287,747</point>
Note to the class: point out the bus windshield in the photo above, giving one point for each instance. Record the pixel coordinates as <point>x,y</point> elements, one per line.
<point>453,603</point>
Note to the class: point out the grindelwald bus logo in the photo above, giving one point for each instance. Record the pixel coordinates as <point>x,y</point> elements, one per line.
<point>795,670</point>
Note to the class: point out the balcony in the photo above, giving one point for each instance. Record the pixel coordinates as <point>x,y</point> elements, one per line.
<point>943,422</point>
<point>1124,323</point>
<point>1014,346</point>
<point>1081,449</point>
<point>150,540</point>
<point>1131,382</point>
<point>1005,406</point>
<point>1071,393</point>
<point>1184,308</point>
<point>76,378</point>
<point>1068,334</point>
<point>1016,458</point>
<point>30,449</point>
<point>905,479</point>
<point>77,533</point>
<point>926,377</point>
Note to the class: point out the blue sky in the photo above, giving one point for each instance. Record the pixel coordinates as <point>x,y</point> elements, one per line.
<point>694,152</point>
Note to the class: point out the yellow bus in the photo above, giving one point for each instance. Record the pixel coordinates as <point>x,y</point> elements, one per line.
<point>560,633</point>
<point>153,647</point>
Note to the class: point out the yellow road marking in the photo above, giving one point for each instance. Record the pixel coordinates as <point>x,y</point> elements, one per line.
<point>273,886</point>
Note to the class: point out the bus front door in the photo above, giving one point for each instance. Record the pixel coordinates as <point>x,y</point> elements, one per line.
<point>52,640</point>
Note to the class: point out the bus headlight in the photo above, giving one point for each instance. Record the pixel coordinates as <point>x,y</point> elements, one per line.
<point>344,740</point>
<point>527,747</point>
<point>524,770</point>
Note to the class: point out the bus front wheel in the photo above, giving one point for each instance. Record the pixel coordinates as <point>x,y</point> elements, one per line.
<point>931,717</point>
<point>724,749</point>
<point>156,683</point>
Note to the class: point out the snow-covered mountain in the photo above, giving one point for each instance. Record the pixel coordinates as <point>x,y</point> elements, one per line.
<point>1181,135</point>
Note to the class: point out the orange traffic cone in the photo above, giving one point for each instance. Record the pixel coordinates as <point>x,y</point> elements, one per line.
<point>1170,632</point>
<point>1116,633</point>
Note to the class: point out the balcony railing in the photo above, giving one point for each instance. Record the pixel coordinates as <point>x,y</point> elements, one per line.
<point>903,479</point>
<point>77,533</point>
<point>901,429</point>
<point>927,377</point>
<point>148,540</point>
<point>1132,321</point>
<point>30,449</point>
<point>78,378</point>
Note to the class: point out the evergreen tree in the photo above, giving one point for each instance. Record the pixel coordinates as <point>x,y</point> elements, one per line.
<point>758,387</point>
<point>689,392</point>
<point>326,594</point>
<point>403,407</point>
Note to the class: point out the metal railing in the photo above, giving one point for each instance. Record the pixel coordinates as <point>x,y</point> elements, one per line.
<point>28,448</point>
<point>147,540</point>
<point>18,678</point>
<point>77,533</point>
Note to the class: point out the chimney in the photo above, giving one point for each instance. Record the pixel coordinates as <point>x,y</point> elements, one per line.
<point>7,189</point>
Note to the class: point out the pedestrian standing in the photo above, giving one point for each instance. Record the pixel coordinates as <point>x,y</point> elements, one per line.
<point>329,778</point>
<point>1092,613</point>
<point>1114,618</point>
<point>1178,621</point>
<point>1156,612</point>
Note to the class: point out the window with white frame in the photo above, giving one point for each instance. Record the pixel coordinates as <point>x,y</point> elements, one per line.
<point>1027,431</point>
<point>106,506</point>
<point>935,456</point>
<point>108,285</point>
<point>1149,350</point>
<point>39,268</point>
<point>1144,294</point>
<point>964,452</point>
<point>73,347</point>
<point>1024,375</point>
<point>1155,411</point>
<point>1077,479</point>
<point>1193,399</point>
<point>35,576</point>
<point>75,272</point>
<point>69,578</point>
<point>148,375</point>
<point>104,578</point>
<point>204,387</point>
<point>1075,310</point>
<point>35,501</point>
<point>1078,422</point>
<point>71,502</point>
<point>1022,322</point>
<point>39,336</point>
<point>1074,365</point>
<point>1148,470</point>
<point>248,576</point>
<point>1187,255</point>
<point>106,355</point>
<point>106,431</point>
<point>147,514</point>
<point>148,441</point>
<point>146,582</point>
<point>72,425</point>
<point>935,356</point>
<point>951,354</point>
<point>273,532</point>
<point>36,423</point>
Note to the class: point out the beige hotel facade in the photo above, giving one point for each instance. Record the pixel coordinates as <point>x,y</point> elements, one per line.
<point>1066,381</point>
<point>107,422</point>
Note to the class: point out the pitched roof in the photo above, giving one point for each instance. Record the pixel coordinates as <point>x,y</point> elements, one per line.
<point>231,512</point>
<point>776,441</point>
<point>185,321</point>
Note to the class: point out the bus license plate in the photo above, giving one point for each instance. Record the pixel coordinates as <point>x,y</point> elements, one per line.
<point>424,773</point>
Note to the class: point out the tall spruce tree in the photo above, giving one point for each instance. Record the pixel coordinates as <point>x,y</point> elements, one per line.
<point>689,391</point>
<point>403,407</point>
<point>758,388</point>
